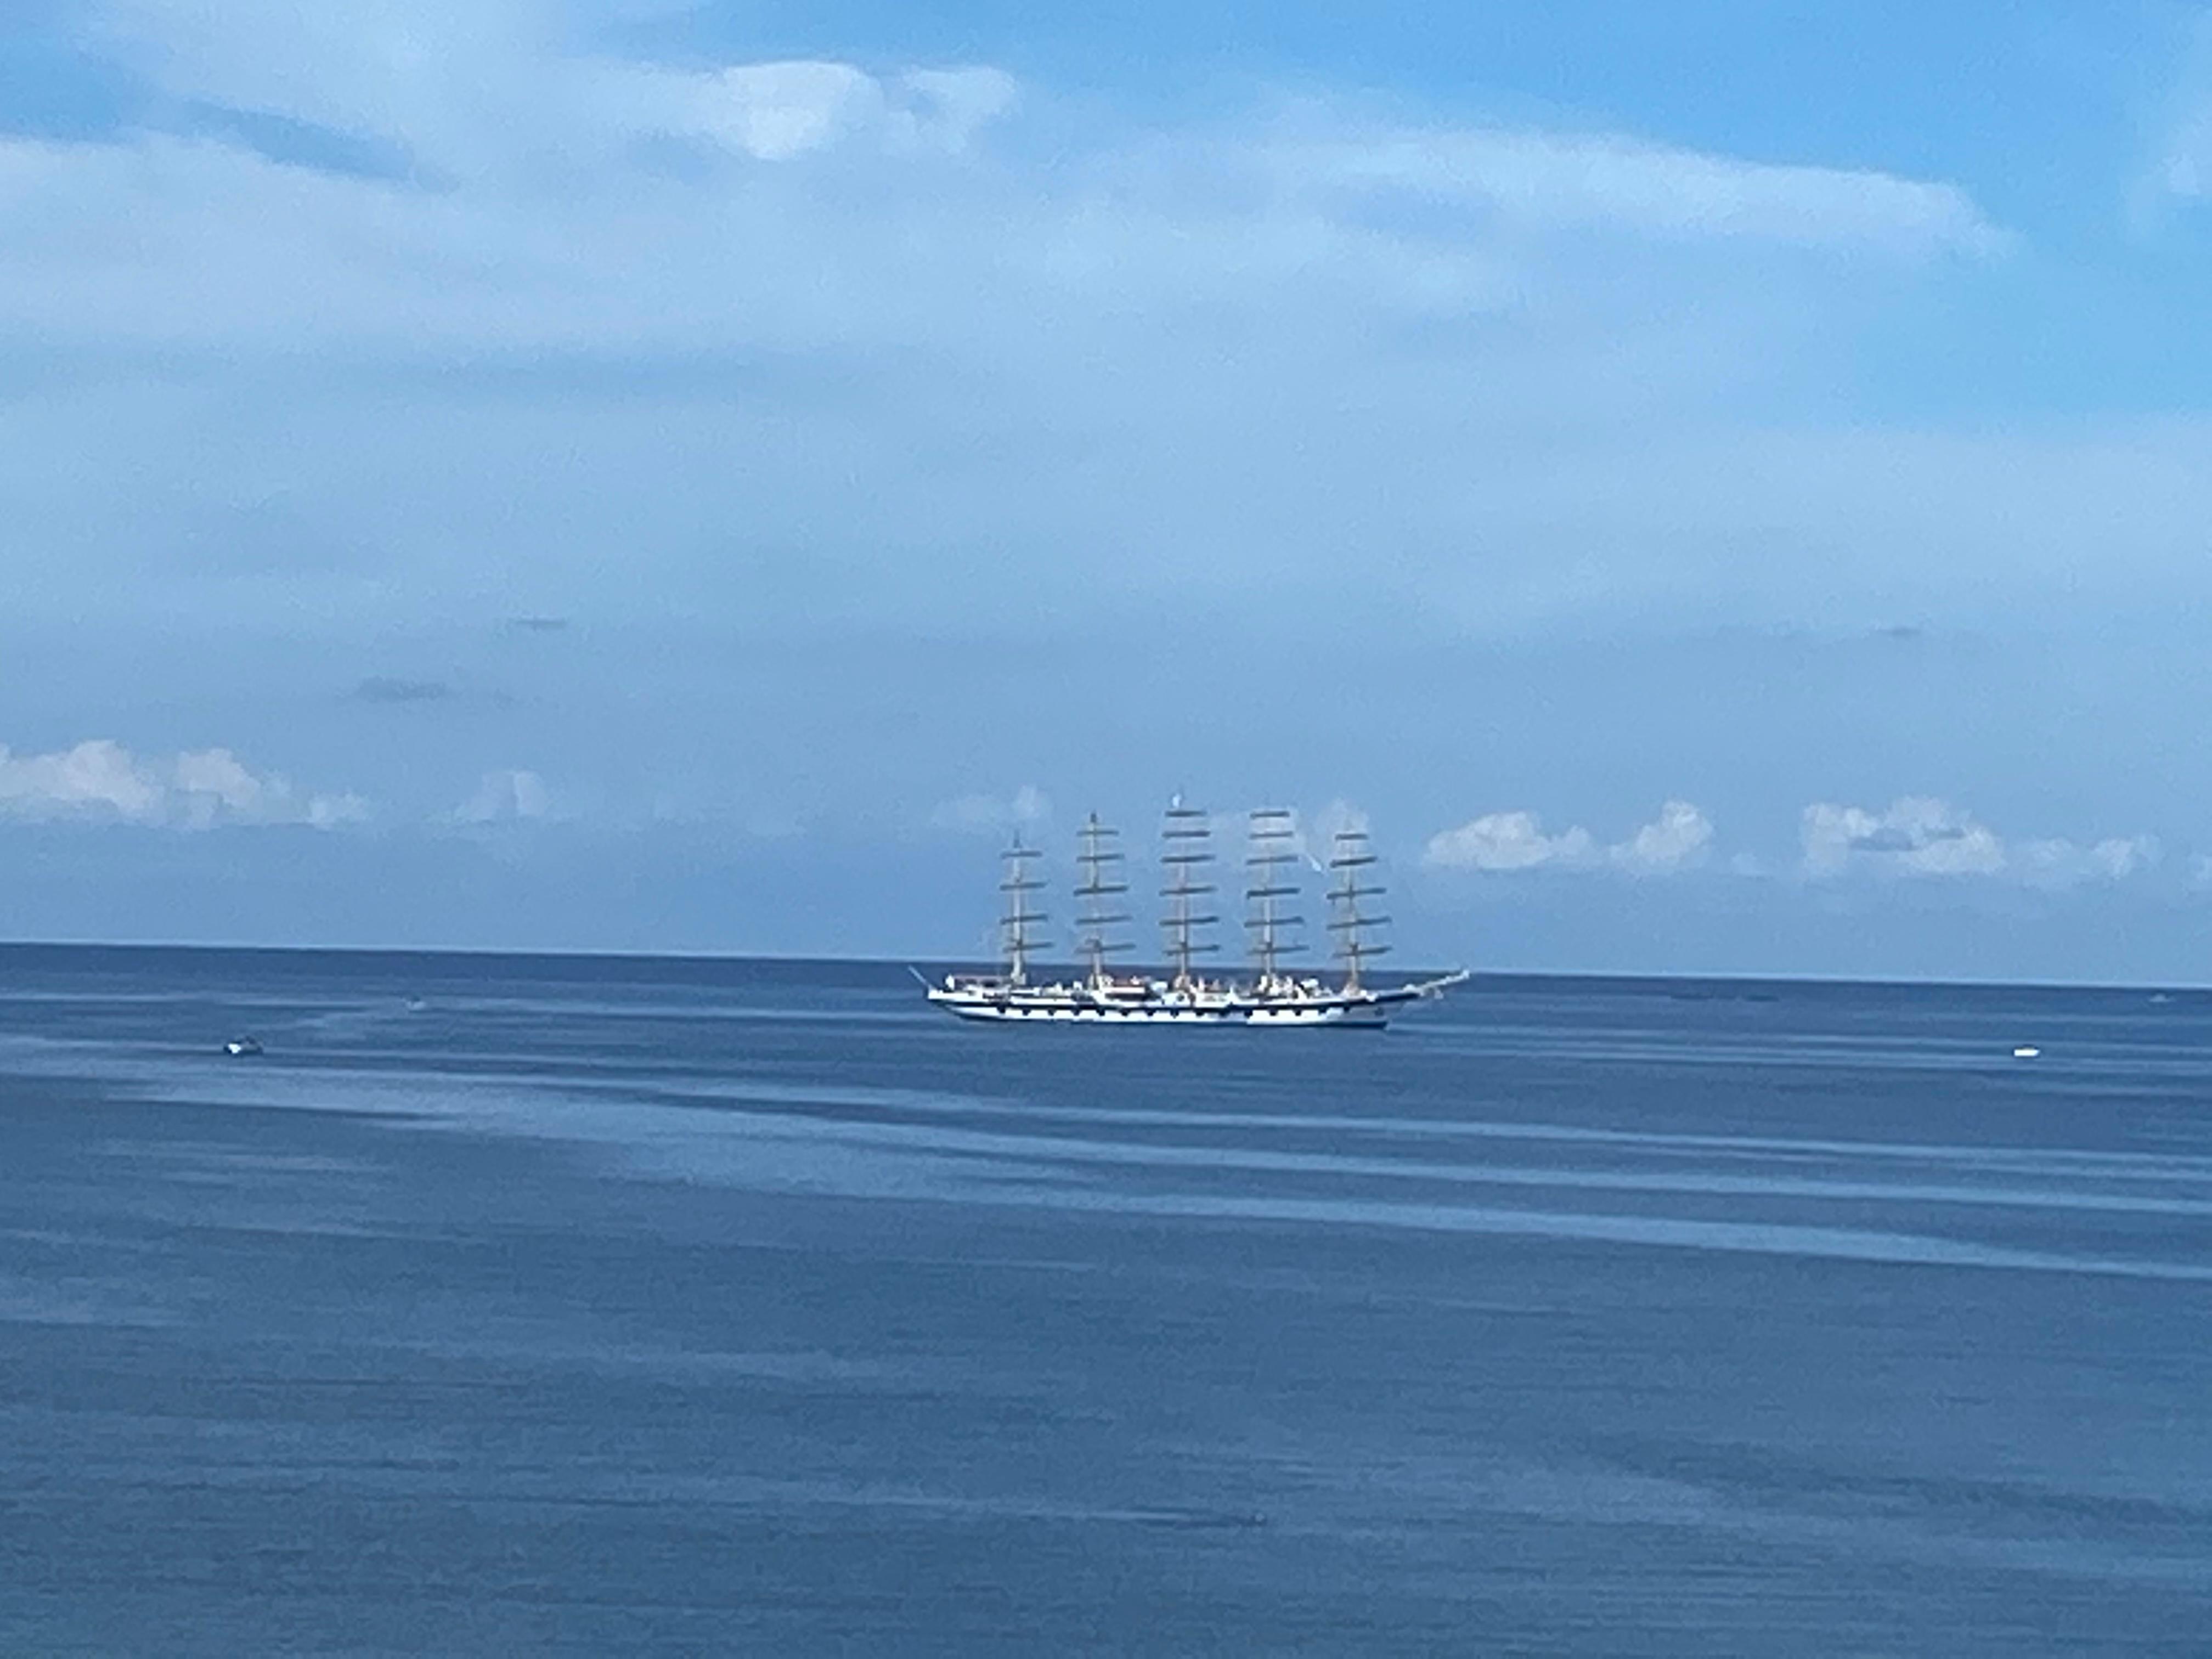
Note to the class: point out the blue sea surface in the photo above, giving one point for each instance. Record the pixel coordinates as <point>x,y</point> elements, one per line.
<point>558,1305</point>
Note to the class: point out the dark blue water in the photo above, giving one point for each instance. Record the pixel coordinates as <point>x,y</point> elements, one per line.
<point>686,1308</point>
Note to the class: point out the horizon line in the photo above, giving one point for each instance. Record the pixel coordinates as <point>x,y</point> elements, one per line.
<point>592,954</point>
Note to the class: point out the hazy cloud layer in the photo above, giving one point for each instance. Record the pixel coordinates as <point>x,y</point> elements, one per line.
<point>821,205</point>
<point>1329,328</point>
<point>101,780</point>
<point>1678,839</point>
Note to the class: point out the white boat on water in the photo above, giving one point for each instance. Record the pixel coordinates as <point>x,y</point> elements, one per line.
<point>1272,996</point>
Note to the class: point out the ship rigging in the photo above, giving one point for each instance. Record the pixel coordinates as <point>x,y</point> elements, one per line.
<point>1185,995</point>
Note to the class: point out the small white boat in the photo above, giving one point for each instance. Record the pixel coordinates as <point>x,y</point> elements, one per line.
<point>238,1048</point>
<point>2026,1051</point>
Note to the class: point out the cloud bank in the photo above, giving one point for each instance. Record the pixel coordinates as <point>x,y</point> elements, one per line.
<point>1679,839</point>
<point>1922,836</point>
<point>1916,837</point>
<point>101,780</point>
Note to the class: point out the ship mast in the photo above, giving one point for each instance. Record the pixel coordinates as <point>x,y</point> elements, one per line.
<point>1188,834</point>
<point>1347,863</point>
<point>1101,863</point>
<point>1015,935</point>
<point>1272,843</point>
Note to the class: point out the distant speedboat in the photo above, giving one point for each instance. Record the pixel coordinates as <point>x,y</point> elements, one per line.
<point>416,1005</point>
<point>2026,1051</point>
<point>1270,997</point>
<point>237,1048</point>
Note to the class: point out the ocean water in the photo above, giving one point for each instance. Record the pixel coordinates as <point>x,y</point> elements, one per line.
<point>514,1305</point>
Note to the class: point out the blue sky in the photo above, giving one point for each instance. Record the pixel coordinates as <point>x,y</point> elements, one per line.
<point>1715,488</point>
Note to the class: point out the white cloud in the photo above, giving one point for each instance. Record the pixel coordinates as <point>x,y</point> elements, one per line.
<point>1612,180</point>
<point>774,111</point>
<point>479,90</point>
<point>100,780</point>
<point>1677,839</point>
<point>1508,840</point>
<point>507,797</point>
<point>1921,835</point>
<point>2063,863</point>
<point>1917,836</point>
<point>97,776</point>
<point>993,815</point>
<point>777,111</point>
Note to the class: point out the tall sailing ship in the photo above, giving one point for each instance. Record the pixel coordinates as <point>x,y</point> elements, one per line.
<point>1272,995</point>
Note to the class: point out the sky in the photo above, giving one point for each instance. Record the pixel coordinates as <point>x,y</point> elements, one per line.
<point>1718,488</point>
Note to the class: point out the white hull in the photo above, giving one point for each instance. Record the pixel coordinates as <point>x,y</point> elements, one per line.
<point>1073,1006</point>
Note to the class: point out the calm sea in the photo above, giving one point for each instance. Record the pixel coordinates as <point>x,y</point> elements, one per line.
<point>532,1305</point>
